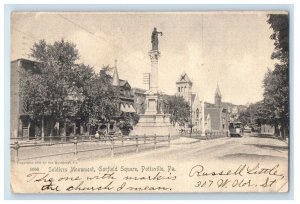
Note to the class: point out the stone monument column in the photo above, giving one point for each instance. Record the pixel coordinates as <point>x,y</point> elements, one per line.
<point>152,97</point>
<point>154,55</point>
<point>154,121</point>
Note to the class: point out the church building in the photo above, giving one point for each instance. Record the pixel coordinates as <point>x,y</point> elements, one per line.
<point>216,114</point>
<point>184,87</point>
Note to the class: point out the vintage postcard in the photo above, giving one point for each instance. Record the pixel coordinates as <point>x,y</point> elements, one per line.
<point>149,102</point>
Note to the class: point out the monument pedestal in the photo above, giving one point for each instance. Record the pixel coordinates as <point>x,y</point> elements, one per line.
<point>154,121</point>
<point>158,124</point>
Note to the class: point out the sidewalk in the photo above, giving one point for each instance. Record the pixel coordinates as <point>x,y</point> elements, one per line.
<point>184,140</point>
<point>272,136</point>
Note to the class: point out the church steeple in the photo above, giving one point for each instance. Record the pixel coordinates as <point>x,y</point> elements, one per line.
<point>184,87</point>
<point>218,96</point>
<point>115,81</point>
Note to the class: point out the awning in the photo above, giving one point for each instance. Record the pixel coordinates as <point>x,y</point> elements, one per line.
<point>127,108</point>
<point>131,109</point>
<point>122,108</point>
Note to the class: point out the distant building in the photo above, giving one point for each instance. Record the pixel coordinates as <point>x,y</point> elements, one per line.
<point>215,114</point>
<point>139,99</point>
<point>218,97</point>
<point>184,88</point>
<point>221,113</point>
<point>233,110</point>
<point>216,118</point>
<point>21,124</point>
<point>126,96</point>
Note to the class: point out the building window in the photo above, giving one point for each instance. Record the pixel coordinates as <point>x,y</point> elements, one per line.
<point>178,89</point>
<point>197,113</point>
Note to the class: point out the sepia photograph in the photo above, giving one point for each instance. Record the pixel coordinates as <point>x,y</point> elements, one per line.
<point>149,102</point>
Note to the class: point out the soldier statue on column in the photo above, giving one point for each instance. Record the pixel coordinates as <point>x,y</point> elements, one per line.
<point>154,39</point>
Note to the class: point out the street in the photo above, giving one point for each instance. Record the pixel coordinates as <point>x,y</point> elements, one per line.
<point>250,147</point>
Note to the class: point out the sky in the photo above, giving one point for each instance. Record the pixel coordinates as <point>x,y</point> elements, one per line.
<point>231,49</point>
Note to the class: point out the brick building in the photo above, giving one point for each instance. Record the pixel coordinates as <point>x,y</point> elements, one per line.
<point>21,125</point>
<point>217,116</point>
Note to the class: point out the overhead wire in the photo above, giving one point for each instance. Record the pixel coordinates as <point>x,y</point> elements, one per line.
<point>101,38</point>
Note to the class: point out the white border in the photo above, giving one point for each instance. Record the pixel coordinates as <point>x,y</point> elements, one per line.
<point>296,74</point>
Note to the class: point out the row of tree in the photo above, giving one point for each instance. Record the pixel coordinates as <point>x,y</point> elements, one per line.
<point>274,108</point>
<point>63,90</point>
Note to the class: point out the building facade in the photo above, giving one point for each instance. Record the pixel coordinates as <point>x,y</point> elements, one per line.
<point>126,96</point>
<point>24,127</point>
<point>184,87</point>
<point>216,114</point>
<point>139,99</point>
<point>21,125</point>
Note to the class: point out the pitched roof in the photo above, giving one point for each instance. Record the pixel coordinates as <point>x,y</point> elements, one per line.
<point>194,98</point>
<point>23,59</point>
<point>115,79</point>
<point>124,82</point>
<point>218,92</point>
<point>184,78</point>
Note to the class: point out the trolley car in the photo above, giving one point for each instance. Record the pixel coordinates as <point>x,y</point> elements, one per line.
<point>235,129</point>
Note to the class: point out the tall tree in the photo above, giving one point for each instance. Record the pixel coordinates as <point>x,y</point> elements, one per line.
<point>103,97</point>
<point>276,98</point>
<point>65,91</point>
<point>179,110</point>
<point>245,118</point>
<point>254,116</point>
<point>55,81</point>
<point>276,82</point>
<point>83,76</point>
<point>32,87</point>
<point>280,25</point>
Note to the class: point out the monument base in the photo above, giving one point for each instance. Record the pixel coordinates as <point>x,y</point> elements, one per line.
<point>158,124</point>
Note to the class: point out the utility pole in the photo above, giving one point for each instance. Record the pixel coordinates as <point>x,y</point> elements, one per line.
<point>146,79</point>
